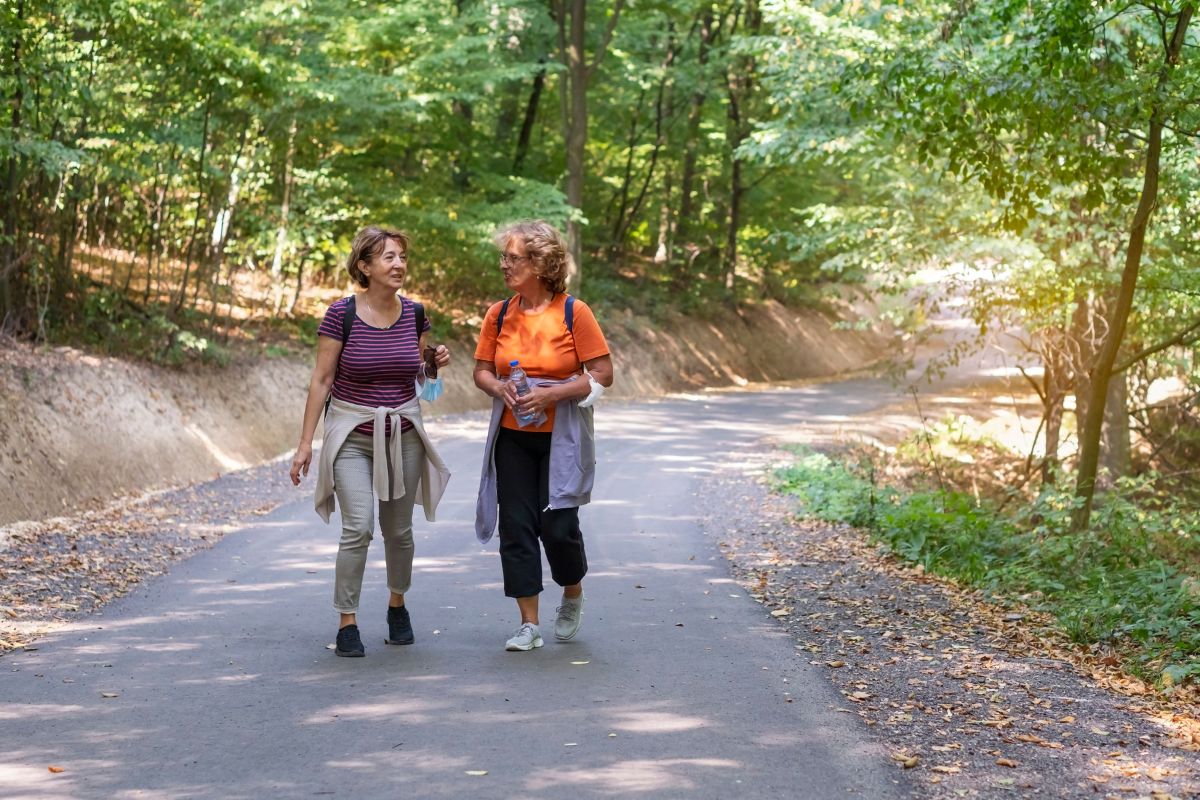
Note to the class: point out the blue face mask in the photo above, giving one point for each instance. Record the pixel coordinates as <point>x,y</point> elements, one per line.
<point>430,389</point>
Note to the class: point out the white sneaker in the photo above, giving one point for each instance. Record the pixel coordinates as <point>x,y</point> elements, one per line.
<point>527,637</point>
<point>569,613</point>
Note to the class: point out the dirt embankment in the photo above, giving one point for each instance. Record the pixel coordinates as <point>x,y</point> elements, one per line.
<point>78,430</point>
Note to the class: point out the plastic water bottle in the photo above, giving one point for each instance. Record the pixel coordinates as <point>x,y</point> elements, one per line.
<point>521,383</point>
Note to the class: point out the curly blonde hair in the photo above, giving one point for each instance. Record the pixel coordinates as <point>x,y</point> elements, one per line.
<point>546,248</point>
<point>368,243</point>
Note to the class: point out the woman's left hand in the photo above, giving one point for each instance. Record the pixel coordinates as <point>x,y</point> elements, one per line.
<point>538,399</point>
<point>441,356</point>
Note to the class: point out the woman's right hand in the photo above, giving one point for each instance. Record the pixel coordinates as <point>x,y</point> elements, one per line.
<point>508,393</point>
<point>300,463</point>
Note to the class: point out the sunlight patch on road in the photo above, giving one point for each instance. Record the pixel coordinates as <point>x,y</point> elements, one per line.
<point>656,722</point>
<point>38,711</point>
<point>635,776</point>
<point>410,711</point>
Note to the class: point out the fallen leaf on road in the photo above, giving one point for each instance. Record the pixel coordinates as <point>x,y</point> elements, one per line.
<point>835,664</point>
<point>570,744</point>
<point>1006,762</point>
<point>56,770</point>
<point>580,663</point>
<point>946,770</point>
<point>109,694</point>
<point>781,612</point>
<point>477,772</point>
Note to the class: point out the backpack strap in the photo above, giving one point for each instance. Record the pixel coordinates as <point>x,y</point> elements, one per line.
<point>500,316</point>
<point>348,315</point>
<point>568,314</point>
<point>419,313</point>
<point>348,320</point>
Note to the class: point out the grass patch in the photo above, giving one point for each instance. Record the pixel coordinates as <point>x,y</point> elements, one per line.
<point>1130,582</point>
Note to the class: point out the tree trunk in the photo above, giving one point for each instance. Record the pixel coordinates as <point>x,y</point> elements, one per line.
<point>1117,456</point>
<point>692,142</point>
<point>1056,374</point>
<point>281,236</point>
<point>576,139</point>
<point>626,217</point>
<point>224,223</point>
<point>535,95</point>
<point>666,222</point>
<point>299,281</point>
<point>189,251</point>
<point>11,310</point>
<point>740,86</point>
<point>571,16</point>
<point>621,198</point>
<point>1089,453</point>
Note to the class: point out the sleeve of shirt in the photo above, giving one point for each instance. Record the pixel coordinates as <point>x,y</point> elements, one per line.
<point>589,339</point>
<point>331,325</point>
<point>486,349</point>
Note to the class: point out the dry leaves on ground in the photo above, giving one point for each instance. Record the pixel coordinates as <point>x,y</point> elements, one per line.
<point>978,698</point>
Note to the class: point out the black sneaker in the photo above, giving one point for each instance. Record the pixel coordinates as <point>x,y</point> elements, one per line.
<point>349,645</point>
<point>399,626</point>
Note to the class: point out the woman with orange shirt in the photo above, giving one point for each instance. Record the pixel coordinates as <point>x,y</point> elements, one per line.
<point>535,476</point>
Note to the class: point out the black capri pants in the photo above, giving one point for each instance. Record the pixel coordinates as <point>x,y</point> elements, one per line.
<point>523,491</point>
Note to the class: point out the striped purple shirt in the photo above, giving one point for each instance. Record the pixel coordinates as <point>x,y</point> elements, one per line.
<point>378,366</point>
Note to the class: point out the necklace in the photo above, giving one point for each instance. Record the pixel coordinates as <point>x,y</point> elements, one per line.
<point>374,314</point>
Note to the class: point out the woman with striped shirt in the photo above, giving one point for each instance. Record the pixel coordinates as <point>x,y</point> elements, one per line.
<point>375,448</point>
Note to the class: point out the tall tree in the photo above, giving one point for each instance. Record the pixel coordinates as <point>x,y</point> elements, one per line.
<point>571,16</point>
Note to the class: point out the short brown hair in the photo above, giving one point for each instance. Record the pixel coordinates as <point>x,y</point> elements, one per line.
<point>546,248</point>
<point>368,243</point>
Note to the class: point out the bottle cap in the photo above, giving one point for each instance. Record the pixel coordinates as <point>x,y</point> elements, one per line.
<point>513,363</point>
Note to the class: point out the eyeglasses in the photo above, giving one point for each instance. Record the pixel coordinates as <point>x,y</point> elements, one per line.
<point>508,260</point>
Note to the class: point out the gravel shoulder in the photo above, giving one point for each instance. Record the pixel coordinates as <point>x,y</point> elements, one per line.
<point>970,698</point>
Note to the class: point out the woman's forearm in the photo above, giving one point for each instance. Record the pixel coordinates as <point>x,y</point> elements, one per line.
<point>318,391</point>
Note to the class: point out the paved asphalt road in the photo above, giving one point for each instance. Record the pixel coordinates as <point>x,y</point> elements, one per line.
<point>677,686</point>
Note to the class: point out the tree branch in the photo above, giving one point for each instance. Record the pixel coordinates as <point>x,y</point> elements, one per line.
<point>1181,338</point>
<point>1114,16</point>
<point>608,34</point>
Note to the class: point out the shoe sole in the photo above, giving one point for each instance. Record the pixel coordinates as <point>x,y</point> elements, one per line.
<point>399,641</point>
<point>348,654</point>
<point>567,638</point>
<point>516,648</point>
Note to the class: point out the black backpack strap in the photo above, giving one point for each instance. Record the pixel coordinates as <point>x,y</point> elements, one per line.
<point>348,320</point>
<point>569,314</point>
<point>348,315</point>
<point>500,316</point>
<point>419,318</point>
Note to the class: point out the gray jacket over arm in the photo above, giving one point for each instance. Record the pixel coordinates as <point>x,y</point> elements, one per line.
<point>572,460</point>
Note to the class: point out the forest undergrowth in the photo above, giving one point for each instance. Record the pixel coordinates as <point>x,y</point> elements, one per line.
<point>1125,592</point>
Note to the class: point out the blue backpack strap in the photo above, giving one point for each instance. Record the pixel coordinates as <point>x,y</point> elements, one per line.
<point>568,314</point>
<point>500,316</point>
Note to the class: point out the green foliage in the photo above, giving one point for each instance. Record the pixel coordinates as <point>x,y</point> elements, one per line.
<point>1123,582</point>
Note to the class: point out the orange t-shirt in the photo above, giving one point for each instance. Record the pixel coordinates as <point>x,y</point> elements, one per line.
<point>543,345</point>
